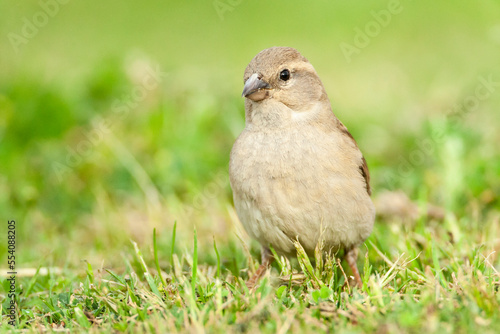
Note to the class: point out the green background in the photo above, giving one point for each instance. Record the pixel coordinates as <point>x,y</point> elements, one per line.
<point>418,68</point>
<point>166,158</point>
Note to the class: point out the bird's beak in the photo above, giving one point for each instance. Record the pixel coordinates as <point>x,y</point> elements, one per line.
<point>255,89</point>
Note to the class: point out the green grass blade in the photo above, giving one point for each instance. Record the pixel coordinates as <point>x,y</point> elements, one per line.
<point>218,259</point>
<point>157,263</point>
<point>437,266</point>
<point>147,275</point>
<point>90,273</point>
<point>32,282</point>
<point>306,265</point>
<point>81,318</point>
<point>172,244</point>
<point>195,264</point>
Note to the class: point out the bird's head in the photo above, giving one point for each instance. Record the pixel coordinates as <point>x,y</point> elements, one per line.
<point>282,74</point>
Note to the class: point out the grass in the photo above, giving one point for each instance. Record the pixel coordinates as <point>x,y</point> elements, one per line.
<point>136,231</point>
<point>430,280</point>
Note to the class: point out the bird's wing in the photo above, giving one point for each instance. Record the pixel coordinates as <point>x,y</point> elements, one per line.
<point>363,167</point>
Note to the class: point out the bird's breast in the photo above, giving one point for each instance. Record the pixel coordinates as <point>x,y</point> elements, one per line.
<point>291,161</point>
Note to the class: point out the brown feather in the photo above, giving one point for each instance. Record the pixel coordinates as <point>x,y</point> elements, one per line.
<point>363,168</point>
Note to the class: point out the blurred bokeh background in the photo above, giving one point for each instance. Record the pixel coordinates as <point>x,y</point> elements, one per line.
<point>119,116</point>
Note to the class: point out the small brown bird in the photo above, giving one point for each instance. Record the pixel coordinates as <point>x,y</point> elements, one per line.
<point>295,170</point>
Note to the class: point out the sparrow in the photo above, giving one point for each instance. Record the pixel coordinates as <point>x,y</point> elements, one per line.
<point>295,171</point>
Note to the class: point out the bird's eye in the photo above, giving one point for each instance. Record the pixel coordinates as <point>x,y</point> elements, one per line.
<point>285,75</point>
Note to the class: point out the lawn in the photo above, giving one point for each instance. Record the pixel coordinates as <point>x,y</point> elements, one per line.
<point>116,123</point>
